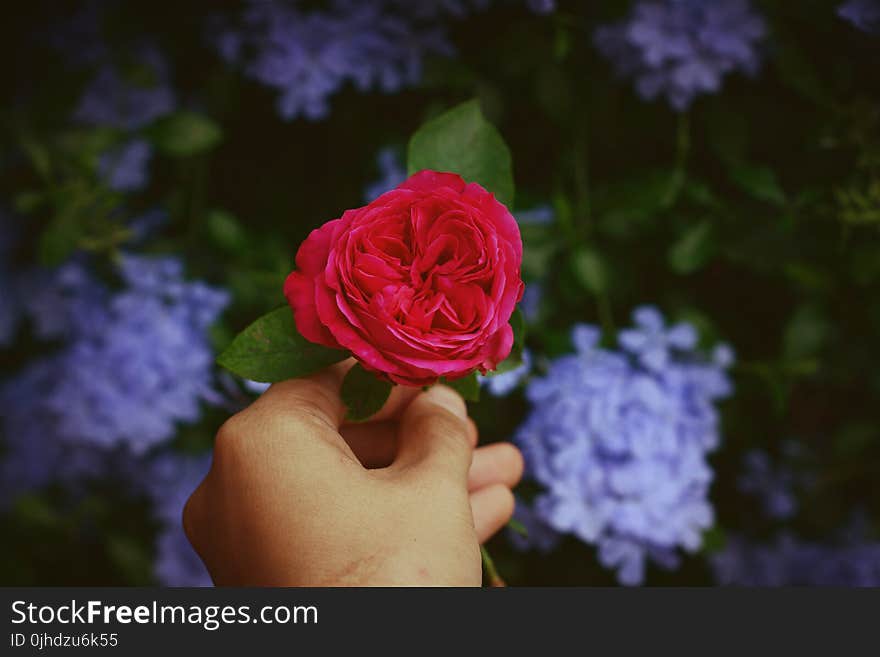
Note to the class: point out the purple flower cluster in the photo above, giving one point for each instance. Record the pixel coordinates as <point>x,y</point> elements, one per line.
<point>864,14</point>
<point>170,480</point>
<point>502,384</point>
<point>133,364</point>
<point>310,55</point>
<point>775,485</point>
<point>681,49</point>
<point>125,167</point>
<point>128,100</point>
<point>789,561</point>
<point>619,440</point>
<point>391,174</point>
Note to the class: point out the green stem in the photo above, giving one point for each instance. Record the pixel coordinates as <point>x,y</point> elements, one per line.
<point>682,152</point>
<point>489,570</point>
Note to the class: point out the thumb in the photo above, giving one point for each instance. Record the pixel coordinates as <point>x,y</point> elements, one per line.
<point>434,435</point>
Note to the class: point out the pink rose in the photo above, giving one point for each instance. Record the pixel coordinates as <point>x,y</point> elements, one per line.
<point>419,284</point>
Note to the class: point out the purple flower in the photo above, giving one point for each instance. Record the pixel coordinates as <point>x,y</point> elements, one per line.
<point>542,6</point>
<point>541,215</point>
<point>170,480</point>
<point>134,362</point>
<point>502,384</point>
<point>128,100</point>
<point>772,485</point>
<point>125,167</point>
<point>310,55</point>
<point>392,173</point>
<point>864,14</point>
<point>790,561</point>
<point>681,49</point>
<point>619,441</point>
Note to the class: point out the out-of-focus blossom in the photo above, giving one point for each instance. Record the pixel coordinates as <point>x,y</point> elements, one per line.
<point>170,480</point>
<point>864,14</point>
<point>774,486</point>
<point>681,49</point>
<point>128,99</point>
<point>530,304</point>
<point>309,55</point>
<point>542,6</point>
<point>391,174</point>
<point>619,441</point>
<point>790,561</point>
<point>125,167</point>
<point>501,385</point>
<point>538,535</point>
<point>541,215</point>
<point>133,363</point>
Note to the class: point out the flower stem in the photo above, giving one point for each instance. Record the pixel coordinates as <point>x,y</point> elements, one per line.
<point>489,570</point>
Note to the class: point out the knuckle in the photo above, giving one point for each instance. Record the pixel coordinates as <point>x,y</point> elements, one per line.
<point>441,424</point>
<point>229,433</point>
<point>190,518</point>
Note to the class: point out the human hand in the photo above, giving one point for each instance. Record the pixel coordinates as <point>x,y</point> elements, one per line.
<point>296,498</point>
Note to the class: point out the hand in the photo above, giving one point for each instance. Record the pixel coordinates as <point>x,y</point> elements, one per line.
<point>296,498</point>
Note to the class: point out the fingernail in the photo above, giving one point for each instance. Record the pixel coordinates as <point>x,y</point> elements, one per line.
<point>448,399</point>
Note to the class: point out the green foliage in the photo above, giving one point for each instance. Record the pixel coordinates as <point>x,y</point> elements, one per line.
<point>467,386</point>
<point>271,350</point>
<point>184,134</point>
<point>363,393</point>
<point>693,249</point>
<point>590,269</point>
<point>462,141</point>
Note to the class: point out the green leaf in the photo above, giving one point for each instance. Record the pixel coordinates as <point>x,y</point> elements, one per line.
<point>590,270</point>
<point>462,141</point>
<point>693,249</point>
<point>467,386</point>
<point>714,540</point>
<point>518,527</point>
<point>225,231</point>
<point>518,324</point>
<point>758,181</point>
<point>60,238</point>
<point>363,394</point>
<point>271,349</point>
<point>184,133</point>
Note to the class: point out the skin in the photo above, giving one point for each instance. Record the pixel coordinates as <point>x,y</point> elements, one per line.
<point>295,497</point>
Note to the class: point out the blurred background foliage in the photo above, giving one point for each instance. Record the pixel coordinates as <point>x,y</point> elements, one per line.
<point>753,215</point>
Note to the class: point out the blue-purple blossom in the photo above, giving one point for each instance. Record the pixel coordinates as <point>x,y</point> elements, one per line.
<point>134,363</point>
<point>308,56</point>
<point>530,304</point>
<point>391,174</point>
<point>542,6</point>
<point>502,384</point>
<point>541,215</point>
<point>619,442</point>
<point>864,14</point>
<point>538,535</point>
<point>774,486</point>
<point>790,561</point>
<point>124,168</point>
<point>124,99</point>
<point>681,49</point>
<point>169,481</point>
